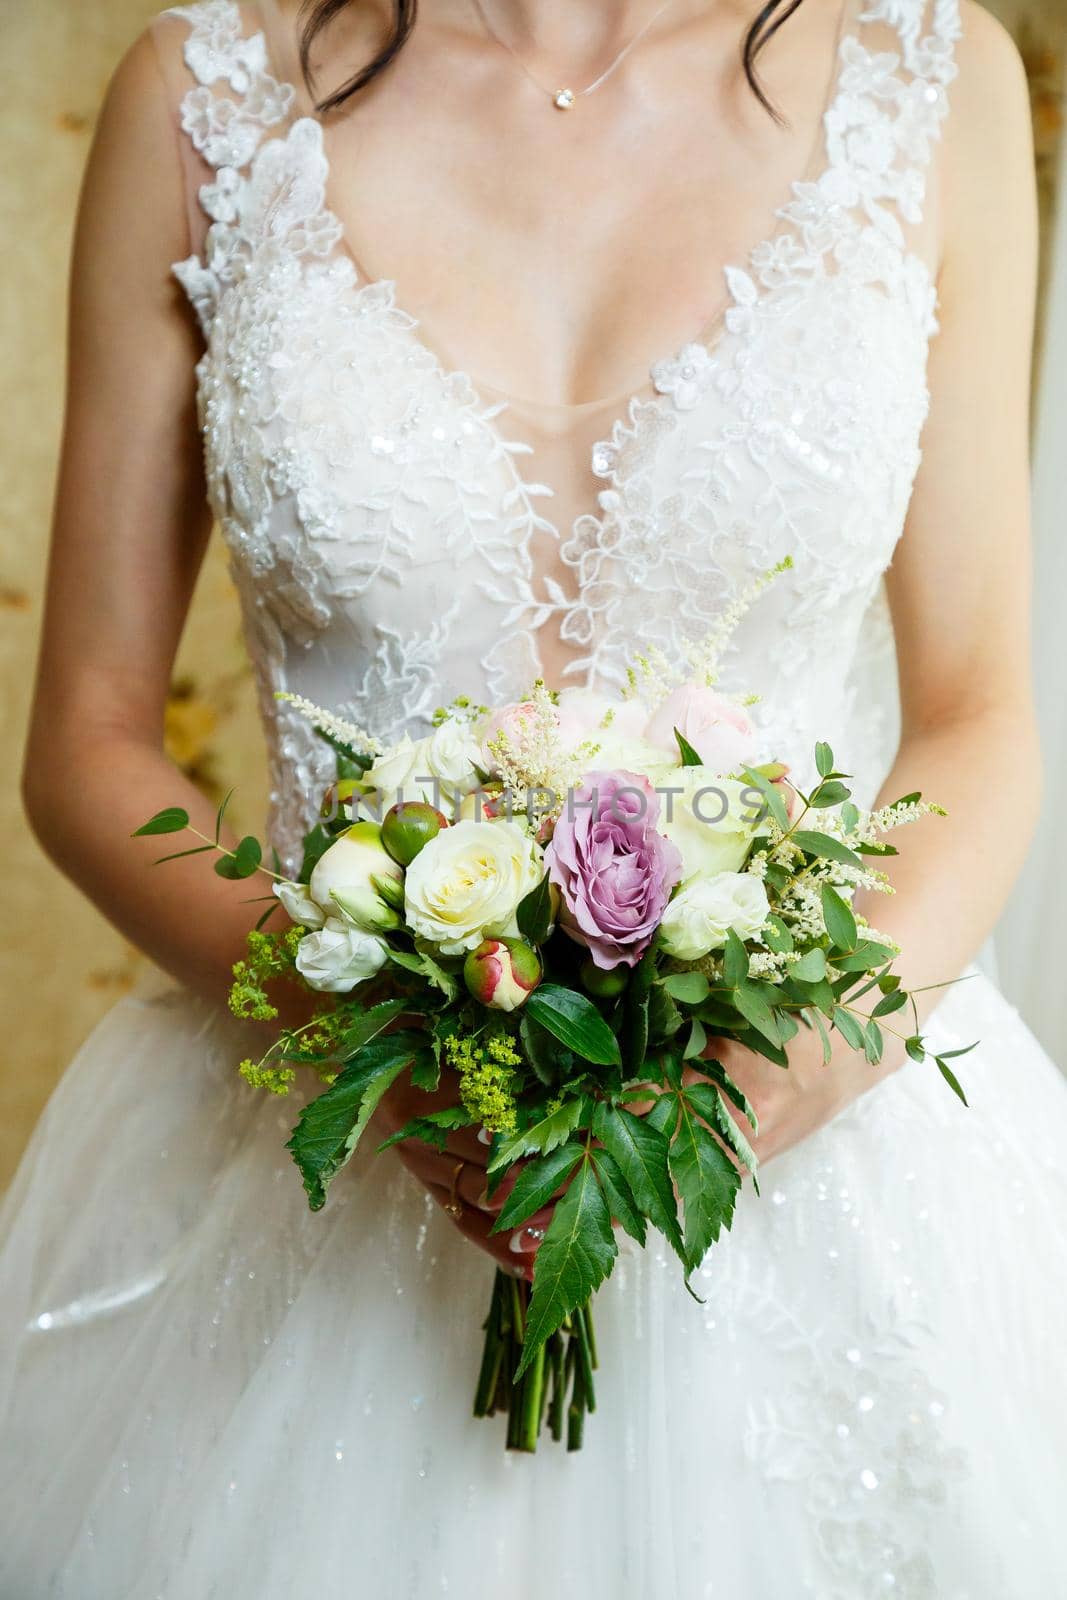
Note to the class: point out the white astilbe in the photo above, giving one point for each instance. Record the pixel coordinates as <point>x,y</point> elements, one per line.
<point>533,764</point>
<point>704,658</point>
<point>329,722</point>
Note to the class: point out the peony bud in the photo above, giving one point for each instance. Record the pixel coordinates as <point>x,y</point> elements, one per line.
<point>407,827</point>
<point>344,878</point>
<point>502,973</point>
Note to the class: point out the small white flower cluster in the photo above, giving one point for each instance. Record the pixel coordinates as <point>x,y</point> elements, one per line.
<point>329,722</point>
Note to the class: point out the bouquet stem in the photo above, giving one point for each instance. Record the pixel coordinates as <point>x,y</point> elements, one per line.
<point>556,1388</point>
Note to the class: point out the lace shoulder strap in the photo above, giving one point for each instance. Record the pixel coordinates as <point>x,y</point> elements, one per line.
<point>259,189</point>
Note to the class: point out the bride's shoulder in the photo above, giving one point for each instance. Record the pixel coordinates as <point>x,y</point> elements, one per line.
<point>989,149</point>
<point>991,79</point>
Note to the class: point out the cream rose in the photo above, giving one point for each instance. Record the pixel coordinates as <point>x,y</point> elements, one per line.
<point>703,912</point>
<point>338,956</point>
<point>465,885</point>
<point>394,773</point>
<point>712,820</point>
<point>344,878</point>
<point>453,755</point>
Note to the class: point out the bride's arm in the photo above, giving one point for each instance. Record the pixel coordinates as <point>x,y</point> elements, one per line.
<point>959,586</point>
<point>130,528</point>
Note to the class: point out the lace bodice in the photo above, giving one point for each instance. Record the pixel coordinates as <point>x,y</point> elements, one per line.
<point>384,532</point>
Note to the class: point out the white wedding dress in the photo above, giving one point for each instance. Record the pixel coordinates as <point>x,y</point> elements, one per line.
<point>208,1392</point>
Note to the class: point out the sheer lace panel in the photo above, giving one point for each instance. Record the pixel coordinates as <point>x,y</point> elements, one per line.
<point>394,537</point>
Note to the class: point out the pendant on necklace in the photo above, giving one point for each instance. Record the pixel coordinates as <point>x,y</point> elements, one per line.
<point>563,99</point>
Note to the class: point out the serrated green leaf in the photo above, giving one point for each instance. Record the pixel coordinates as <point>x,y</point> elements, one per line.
<point>688,987</point>
<point>534,915</point>
<point>641,1151</point>
<point>839,920</point>
<point>708,1103</point>
<point>367,1025</point>
<point>707,1181</point>
<point>617,1193</point>
<point>172,820</point>
<point>718,1073</point>
<point>540,1048</point>
<point>545,1135</point>
<point>432,1129</point>
<point>536,1184</point>
<point>575,1022</point>
<point>825,846</point>
<point>575,1256</point>
<point>330,1127</point>
<point>664,1113</point>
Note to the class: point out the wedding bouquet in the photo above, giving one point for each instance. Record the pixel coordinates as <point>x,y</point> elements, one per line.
<point>562,901</point>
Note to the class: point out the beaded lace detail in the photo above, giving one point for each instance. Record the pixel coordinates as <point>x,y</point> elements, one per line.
<point>382,533</point>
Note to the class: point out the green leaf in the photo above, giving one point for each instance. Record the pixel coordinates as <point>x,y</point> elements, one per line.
<point>540,1049</point>
<point>688,987</point>
<point>865,957</point>
<point>367,1025</point>
<point>642,1152</point>
<point>717,1072</point>
<point>545,1135</point>
<point>950,1077</point>
<point>330,1127</point>
<point>576,1255</point>
<point>220,816</point>
<point>815,1021</point>
<point>664,1018</point>
<point>316,844</point>
<point>772,795</point>
<point>849,1028</point>
<point>173,820</point>
<point>750,1000</point>
<point>707,1181</point>
<point>873,1043</point>
<point>534,915</point>
<point>840,923</point>
<point>637,1013</point>
<point>811,966</point>
<point>575,1022</point>
<point>850,815</point>
<point>709,1104</point>
<point>915,1048</point>
<point>831,793</point>
<point>689,756</point>
<point>664,1113</point>
<point>698,1038</point>
<point>825,846</point>
<point>735,961</point>
<point>243,862</point>
<point>777,935</point>
<point>617,1193</point>
<point>180,855</point>
<point>536,1184</point>
<point>895,1000</point>
<point>824,759</point>
<point>432,1129</point>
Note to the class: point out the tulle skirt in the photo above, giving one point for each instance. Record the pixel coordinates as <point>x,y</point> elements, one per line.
<point>207,1391</point>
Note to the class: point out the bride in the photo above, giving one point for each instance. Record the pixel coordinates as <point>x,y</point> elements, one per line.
<point>708,277</point>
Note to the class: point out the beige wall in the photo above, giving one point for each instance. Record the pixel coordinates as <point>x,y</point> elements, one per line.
<point>61,966</point>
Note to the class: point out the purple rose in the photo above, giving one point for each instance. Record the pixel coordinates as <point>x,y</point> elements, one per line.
<point>614,870</point>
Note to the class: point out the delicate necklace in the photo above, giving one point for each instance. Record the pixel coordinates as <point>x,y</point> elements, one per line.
<point>563,99</point>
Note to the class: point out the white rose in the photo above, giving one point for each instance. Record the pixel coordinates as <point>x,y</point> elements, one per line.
<point>394,772</point>
<point>452,756</point>
<point>339,956</point>
<point>343,876</point>
<point>299,904</point>
<point>624,752</point>
<point>712,821</point>
<point>465,885</point>
<point>701,914</point>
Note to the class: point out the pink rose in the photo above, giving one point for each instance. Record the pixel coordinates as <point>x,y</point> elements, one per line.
<point>719,730</point>
<point>581,715</point>
<point>515,722</point>
<point>613,868</point>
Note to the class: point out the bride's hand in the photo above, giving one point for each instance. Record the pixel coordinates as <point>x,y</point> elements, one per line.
<point>456,1177</point>
<point>795,1103</point>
